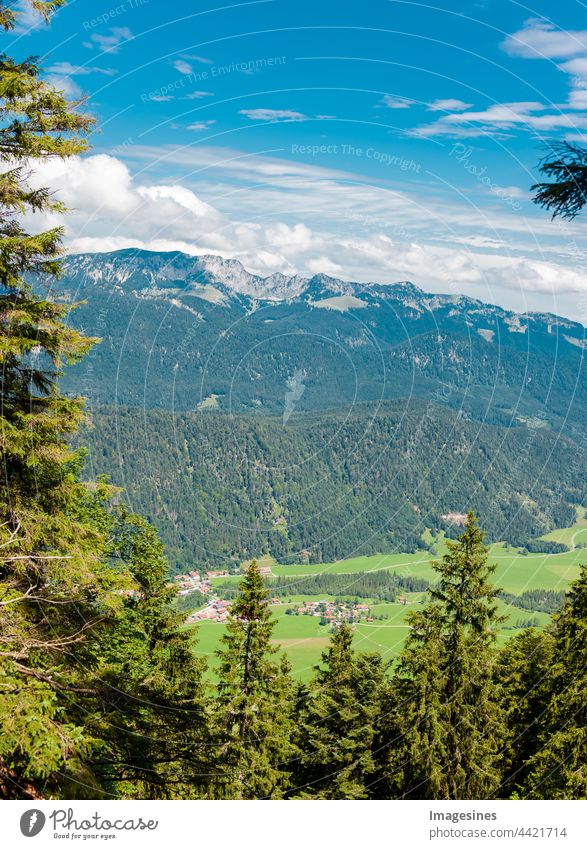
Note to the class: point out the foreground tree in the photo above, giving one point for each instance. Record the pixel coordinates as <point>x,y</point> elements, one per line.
<point>522,673</point>
<point>147,714</point>
<point>51,570</point>
<point>558,770</point>
<point>252,723</point>
<point>451,721</point>
<point>90,657</point>
<point>337,725</point>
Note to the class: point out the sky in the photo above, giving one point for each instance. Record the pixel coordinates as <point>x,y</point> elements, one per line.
<point>380,141</point>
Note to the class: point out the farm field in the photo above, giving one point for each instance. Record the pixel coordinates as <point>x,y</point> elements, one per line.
<point>303,638</point>
<point>515,572</point>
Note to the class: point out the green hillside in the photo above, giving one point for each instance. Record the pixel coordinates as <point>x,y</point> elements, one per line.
<point>325,487</point>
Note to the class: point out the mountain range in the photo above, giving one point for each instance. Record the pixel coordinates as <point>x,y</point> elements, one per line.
<point>182,332</point>
<point>316,418</point>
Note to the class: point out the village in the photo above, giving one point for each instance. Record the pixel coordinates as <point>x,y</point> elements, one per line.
<point>216,610</point>
<point>189,582</point>
<point>332,612</point>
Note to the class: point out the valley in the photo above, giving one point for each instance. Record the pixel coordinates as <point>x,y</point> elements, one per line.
<point>303,637</point>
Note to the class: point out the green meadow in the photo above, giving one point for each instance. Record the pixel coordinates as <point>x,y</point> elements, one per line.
<point>304,639</point>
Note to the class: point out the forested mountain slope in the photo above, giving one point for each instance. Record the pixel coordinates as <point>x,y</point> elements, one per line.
<point>325,486</point>
<point>179,331</point>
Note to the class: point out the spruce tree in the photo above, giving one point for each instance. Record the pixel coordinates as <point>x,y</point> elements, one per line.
<point>85,627</point>
<point>338,724</point>
<point>565,164</point>
<point>452,722</point>
<point>523,675</point>
<point>559,768</point>
<point>148,714</point>
<point>251,721</point>
<point>52,574</point>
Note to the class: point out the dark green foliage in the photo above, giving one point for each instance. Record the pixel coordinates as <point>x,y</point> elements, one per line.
<point>336,726</point>
<point>222,490</point>
<point>148,715</point>
<point>558,770</point>
<point>522,674</point>
<point>451,721</point>
<point>379,586</point>
<point>546,601</point>
<point>566,166</point>
<point>55,584</point>
<point>94,672</point>
<point>545,546</point>
<point>193,601</point>
<point>403,343</point>
<point>251,721</point>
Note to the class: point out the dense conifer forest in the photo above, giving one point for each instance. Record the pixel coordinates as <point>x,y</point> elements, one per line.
<point>223,489</point>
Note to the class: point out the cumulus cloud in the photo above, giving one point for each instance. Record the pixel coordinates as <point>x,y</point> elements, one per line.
<point>27,18</point>
<point>540,39</point>
<point>109,43</point>
<point>393,102</point>
<point>374,237</point>
<point>69,87</point>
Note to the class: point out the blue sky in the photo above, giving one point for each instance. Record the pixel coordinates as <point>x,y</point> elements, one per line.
<point>373,141</point>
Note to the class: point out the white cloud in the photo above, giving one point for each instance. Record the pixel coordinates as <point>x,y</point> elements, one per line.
<point>66,68</point>
<point>302,218</point>
<point>448,105</point>
<point>198,95</point>
<point>182,66</point>
<point>69,87</point>
<point>201,59</point>
<point>27,19</point>
<point>502,117</point>
<point>110,43</point>
<point>273,115</point>
<point>201,125</point>
<point>576,66</point>
<point>540,39</point>
<point>393,102</point>
<point>324,265</point>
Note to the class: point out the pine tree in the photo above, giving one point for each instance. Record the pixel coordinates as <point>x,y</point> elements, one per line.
<point>251,724</point>
<point>566,165</point>
<point>559,769</point>
<point>75,647</point>
<point>337,725</point>
<point>451,720</point>
<point>523,677</point>
<point>52,574</point>
<point>148,716</point>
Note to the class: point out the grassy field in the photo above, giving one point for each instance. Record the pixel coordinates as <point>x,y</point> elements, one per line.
<point>304,639</point>
<point>514,573</point>
<point>574,535</point>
